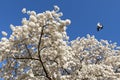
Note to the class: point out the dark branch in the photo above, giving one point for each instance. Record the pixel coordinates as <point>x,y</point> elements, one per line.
<point>25,58</point>
<point>66,70</point>
<point>39,50</point>
<point>28,51</point>
<point>45,47</point>
<point>54,60</point>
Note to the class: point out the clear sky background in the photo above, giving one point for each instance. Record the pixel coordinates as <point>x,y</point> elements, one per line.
<point>84,15</point>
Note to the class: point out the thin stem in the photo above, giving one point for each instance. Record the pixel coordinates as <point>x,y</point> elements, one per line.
<point>28,51</point>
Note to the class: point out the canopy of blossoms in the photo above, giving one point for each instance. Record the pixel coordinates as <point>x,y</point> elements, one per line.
<point>39,49</point>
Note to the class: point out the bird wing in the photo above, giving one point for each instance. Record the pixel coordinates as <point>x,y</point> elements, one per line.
<point>98,29</point>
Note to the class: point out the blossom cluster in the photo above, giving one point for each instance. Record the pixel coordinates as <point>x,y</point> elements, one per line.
<point>40,49</point>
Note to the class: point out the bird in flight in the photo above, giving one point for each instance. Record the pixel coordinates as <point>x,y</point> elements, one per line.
<point>99,26</point>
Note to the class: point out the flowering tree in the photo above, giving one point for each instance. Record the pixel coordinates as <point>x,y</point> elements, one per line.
<point>39,50</point>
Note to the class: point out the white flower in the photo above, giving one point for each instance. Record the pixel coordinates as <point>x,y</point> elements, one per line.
<point>56,8</point>
<point>7,50</point>
<point>48,14</point>
<point>41,16</point>
<point>30,73</point>
<point>24,21</point>
<point>67,37</point>
<point>60,14</point>
<point>33,13</point>
<point>63,22</point>
<point>19,29</point>
<point>28,12</point>
<point>24,10</point>
<point>47,30</point>
<point>37,25</point>
<point>88,36</point>
<point>68,22</point>
<point>32,24</point>
<point>58,35</point>
<point>12,27</point>
<point>39,29</point>
<point>4,33</point>
<point>11,38</point>
<point>4,39</point>
<point>33,18</point>
<point>25,28</point>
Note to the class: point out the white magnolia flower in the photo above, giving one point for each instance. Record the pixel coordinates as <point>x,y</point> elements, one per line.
<point>24,21</point>
<point>28,12</point>
<point>4,39</point>
<point>56,8</point>
<point>68,22</point>
<point>32,24</point>
<point>48,14</point>
<point>11,38</point>
<point>33,13</point>
<point>58,35</point>
<point>33,18</point>
<point>60,14</point>
<point>25,28</point>
<point>4,33</point>
<point>30,73</point>
<point>24,10</point>
<point>40,16</point>
<point>12,27</point>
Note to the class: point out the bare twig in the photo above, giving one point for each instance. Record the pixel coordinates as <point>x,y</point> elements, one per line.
<point>28,51</point>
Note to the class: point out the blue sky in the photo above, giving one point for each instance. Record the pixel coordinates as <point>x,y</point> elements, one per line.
<point>84,15</point>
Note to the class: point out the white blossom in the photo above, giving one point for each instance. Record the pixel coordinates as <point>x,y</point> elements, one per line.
<point>33,13</point>
<point>60,14</point>
<point>40,16</point>
<point>30,73</point>
<point>24,21</point>
<point>68,22</point>
<point>4,33</point>
<point>32,24</point>
<point>48,14</point>
<point>56,8</point>
<point>4,39</point>
<point>24,10</point>
<point>58,35</point>
<point>28,12</point>
<point>33,18</point>
<point>12,27</point>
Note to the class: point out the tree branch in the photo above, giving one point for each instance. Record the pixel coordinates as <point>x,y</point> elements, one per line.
<point>25,58</point>
<point>53,60</point>
<point>28,51</point>
<point>39,50</point>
